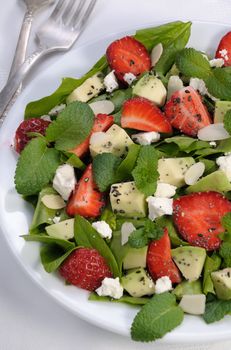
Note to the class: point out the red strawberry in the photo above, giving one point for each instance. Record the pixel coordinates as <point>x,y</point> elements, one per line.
<point>197,217</point>
<point>224,49</point>
<point>30,125</point>
<point>85,268</point>
<point>86,200</point>
<point>102,122</point>
<point>186,112</point>
<point>159,259</point>
<point>127,55</point>
<point>141,114</point>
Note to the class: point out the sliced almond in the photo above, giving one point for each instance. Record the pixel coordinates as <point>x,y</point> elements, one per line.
<point>193,174</point>
<point>104,107</point>
<point>213,132</point>
<point>126,229</point>
<point>174,84</point>
<point>156,54</point>
<point>53,201</point>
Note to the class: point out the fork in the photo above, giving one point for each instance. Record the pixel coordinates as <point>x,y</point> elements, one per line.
<point>58,33</point>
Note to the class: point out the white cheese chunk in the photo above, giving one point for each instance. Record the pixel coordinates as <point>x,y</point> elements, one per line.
<point>224,54</point>
<point>159,206</point>
<point>129,78</point>
<point>165,190</point>
<point>217,62</point>
<point>224,163</point>
<point>64,180</point>
<point>126,229</point>
<point>103,229</point>
<point>146,138</point>
<point>56,219</point>
<point>111,82</point>
<point>110,287</point>
<point>163,284</point>
<point>193,304</point>
<point>213,144</point>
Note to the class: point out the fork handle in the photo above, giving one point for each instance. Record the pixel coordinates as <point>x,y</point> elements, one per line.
<point>17,78</point>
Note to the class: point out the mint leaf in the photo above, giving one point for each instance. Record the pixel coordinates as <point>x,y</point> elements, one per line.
<point>227,121</point>
<point>43,238</point>
<point>216,310</point>
<point>226,223</point>
<point>159,316</point>
<point>53,255</point>
<point>219,84</point>
<point>72,126</point>
<point>145,173</point>
<point>44,105</point>
<point>141,237</point>
<point>192,63</point>
<point>36,167</point>
<point>104,169</point>
<point>87,236</point>
<point>225,253</point>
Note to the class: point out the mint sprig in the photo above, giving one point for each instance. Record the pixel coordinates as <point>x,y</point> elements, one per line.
<point>159,316</point>
<point>192,63</point>
<point>141,236</point>
<point>72,126</point>
<point>145,173</point>
<point>36,167</point>
<point>216,310</point>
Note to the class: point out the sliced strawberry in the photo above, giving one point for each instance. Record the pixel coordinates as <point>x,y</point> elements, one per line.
<point>224,49</point>
<point>197,217</point>
<point>141,114</point>
<point>159,259</point>
<point>186,112</point>
<point>86,200</point>
<point>102,122</point>
<point>85,268</point>
<point>127,55</point>
<point>31,125</point>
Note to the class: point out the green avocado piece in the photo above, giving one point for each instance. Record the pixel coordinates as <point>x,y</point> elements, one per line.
<point>172,170</point>
<point>152,88</point>
<point>63,229</point>
<point>216,181</point>
<point>222,283</point>
<point>190,261</point>
<point>135,257</point>
<point>221,107</point>
<point>187,288</point>
<point>137,283</point>
<point>127,200</point>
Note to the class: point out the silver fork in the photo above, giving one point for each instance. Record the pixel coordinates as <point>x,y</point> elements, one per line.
<point>58,33</point>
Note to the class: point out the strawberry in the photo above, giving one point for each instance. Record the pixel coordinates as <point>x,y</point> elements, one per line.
<point>186,112</point>
<point>141,114</point>
<point>85,268</point>
<point>86,200</point>
<point>224,49</point>
<point>159,259</point>
<point>21,138</point>
<point>127,55</point>
<point>102,122</point>
<point>197,217</point>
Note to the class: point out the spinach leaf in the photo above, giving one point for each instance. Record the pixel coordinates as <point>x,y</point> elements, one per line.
<point>43,238</point>
<point>119,251</point>
<point>124,299</point>
<point>52,256</point>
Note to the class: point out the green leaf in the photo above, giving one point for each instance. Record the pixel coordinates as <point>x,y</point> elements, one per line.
<point>43,106</point>
<point>159,316</point>
<point>210,165</point>
<point>212,263</point>
<point>125,168</point>
<point>104,169</point>
<point>109,217</point>
<point>226,223</point>
<point>216,310</point>
<point>140,237</point>
<point>187,144</point>
<point>43,238</point>
<point>227,121</point>
<point>145,173</point>
<point>165,33</point>
<point>87,236</point>
<point>119,251</point>
<point>124,299</point>
<point>118,97</point>
<point>75,161</point>
<point>52,256</point>
<point>192,63</point>
<point>167,222</point>
<point>219,84</point>
<point>72,126</point>
<point>36,167</point>
<point>225,253</point>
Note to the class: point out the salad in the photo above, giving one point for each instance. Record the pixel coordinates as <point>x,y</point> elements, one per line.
<point>129,172</point>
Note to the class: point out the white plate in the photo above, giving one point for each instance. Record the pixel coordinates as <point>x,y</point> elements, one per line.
<point>16,214</point>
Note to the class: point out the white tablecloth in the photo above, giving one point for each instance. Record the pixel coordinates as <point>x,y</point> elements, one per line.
<point>30,319</point>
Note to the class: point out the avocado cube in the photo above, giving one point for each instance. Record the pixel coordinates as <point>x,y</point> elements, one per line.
<point>135,257</point>
<point>221,107</point>
<point>137,283</point>
<point>63,229</point>
<point>152,88</point>
<point>216,181</point>
<point>172,170</point>
<point>222,283</point>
